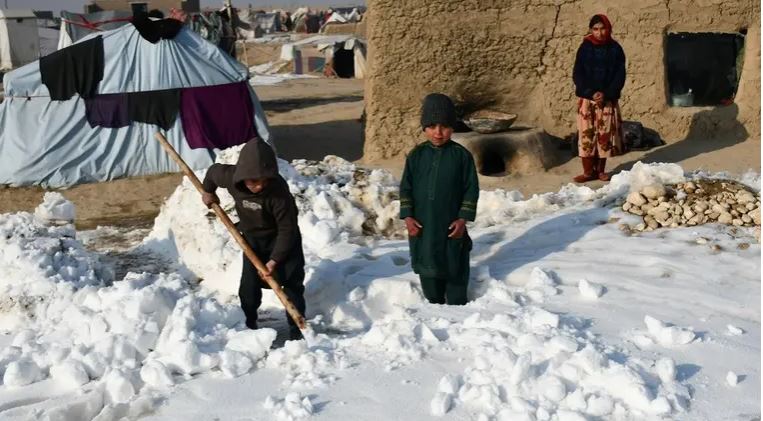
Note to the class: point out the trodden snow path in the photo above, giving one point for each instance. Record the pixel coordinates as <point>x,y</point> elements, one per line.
<point>570,319</point>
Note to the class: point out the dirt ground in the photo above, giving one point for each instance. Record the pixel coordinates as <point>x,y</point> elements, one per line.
<point>311,118</point>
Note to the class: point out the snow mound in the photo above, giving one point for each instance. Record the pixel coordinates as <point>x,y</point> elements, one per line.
<point>55,208</point>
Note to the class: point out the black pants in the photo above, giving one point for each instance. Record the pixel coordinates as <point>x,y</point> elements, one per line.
<point>290,274</point>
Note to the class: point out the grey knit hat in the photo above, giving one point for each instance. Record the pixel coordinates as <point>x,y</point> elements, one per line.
<point>438,109</point>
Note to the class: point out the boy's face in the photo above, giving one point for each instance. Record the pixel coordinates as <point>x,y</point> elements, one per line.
<point>438,134</point>
<point>256,186</point>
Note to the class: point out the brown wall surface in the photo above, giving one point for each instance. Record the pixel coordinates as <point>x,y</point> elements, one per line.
<point>517,57</point>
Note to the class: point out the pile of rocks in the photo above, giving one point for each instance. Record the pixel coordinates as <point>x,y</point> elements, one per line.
<point>694,203</point>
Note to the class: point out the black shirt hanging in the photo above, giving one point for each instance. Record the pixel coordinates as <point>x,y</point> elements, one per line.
<point>154,107</point>
<point>74,69</point>
<point>154,30</point>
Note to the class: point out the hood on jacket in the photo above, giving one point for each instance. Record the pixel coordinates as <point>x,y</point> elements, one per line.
<point>256,160</point>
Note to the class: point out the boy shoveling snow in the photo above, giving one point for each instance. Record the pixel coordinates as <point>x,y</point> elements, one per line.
<point>268,221</point>
<point>438,194</point>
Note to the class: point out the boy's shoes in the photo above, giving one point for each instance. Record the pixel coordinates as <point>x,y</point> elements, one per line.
<point>295,334</point>
<point>251,325</point>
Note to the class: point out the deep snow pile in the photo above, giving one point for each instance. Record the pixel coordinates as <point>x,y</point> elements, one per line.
<point>72,327</point>
<point>160,346</point>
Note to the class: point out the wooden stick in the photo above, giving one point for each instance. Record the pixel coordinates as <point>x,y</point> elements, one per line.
<point>290,308</point>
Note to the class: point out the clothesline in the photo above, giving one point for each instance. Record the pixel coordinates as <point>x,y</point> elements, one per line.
<point>94,26</point>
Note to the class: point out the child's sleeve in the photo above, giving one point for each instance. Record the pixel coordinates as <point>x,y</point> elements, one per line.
<point>218,175</point>
<point>406,191</point>
<point>468,209</point>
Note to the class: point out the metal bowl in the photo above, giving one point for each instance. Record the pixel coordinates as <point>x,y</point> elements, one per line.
<point>487,121</point>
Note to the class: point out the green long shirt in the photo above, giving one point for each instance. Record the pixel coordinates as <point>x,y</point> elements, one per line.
<point>439,186</point>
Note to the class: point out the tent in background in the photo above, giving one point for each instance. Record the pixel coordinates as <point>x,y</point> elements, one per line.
<point>52,144</point>
<point>19,38</point>
<point>346,54</point>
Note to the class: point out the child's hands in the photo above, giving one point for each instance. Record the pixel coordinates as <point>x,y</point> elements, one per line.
<point>270,267</point>
<point>209,199</point>
<point>598,97</point>
<point>457,228</point>
<point>413,227</point>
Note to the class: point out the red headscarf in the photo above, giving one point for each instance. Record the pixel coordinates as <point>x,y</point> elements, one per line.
<point>607,26</point>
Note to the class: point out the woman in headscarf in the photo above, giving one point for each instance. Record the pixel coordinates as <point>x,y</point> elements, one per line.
<point>599,76</point>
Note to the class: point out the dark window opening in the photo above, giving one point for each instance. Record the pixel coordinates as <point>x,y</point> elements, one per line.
<point>344,63</point>
<point>138,8</point>
<point>703,68</point>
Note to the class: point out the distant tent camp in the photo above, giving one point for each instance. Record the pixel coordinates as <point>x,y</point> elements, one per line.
<point>19,38</point>
<point>345,54</point>
<point>75,26</point>
<point>52,143</point>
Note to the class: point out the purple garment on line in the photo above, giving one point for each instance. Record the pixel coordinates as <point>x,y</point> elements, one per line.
<point>217,116</point>
<point>108,110</point>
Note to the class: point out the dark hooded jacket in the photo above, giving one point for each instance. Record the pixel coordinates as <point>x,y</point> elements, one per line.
<point>269,213</point>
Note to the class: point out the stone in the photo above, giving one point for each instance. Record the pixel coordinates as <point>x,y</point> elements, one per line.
<point>661,216</point>
<point>640,226</point>
<point>745,198</point>
<point>637,211</point>
<point>653,191</point>
<point>725,218</point>
<point>718,208</point>
<point>737,222</point>
<point>651,222</point>
<point>746,219</point>
<point>750,206</point>
<point>636,198</point>
<point>688,213</point>
<point>690,185</point>
<point>743,246</point>
<point>713,215</point>
<point>701,240</point>
<point>627,206</point>
<point>755,215</point>
<point>700,206</point>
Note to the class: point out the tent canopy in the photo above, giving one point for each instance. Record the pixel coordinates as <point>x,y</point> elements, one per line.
<point>19,40</point>
<point>51,143</point>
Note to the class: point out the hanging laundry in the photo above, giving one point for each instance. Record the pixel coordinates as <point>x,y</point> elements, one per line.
<point>154,107</point>
<point>76,69</point>
<point>217,116</point>
<point>154,30</point>
<point>109,110</point>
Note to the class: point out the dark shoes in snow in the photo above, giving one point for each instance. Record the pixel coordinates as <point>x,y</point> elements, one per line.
<point>251,325</point>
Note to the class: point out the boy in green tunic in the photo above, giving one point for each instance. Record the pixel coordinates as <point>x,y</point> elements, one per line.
<point>438,194</point>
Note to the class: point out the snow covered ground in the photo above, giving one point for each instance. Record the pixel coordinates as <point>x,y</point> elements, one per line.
<point>571,318</point>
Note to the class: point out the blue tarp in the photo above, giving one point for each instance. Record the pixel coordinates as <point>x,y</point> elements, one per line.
<point>50,143</point>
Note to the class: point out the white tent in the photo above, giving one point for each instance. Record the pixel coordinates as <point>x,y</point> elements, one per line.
<point>19,38</point>
<point>52,144</point>
<point>346,53</point>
